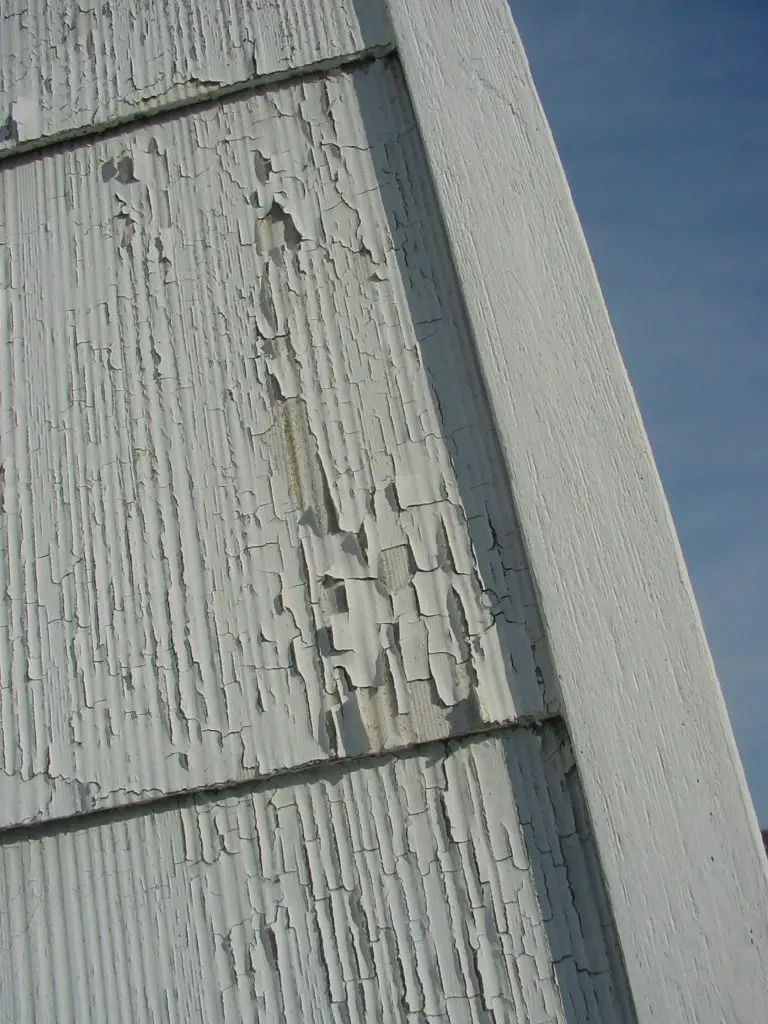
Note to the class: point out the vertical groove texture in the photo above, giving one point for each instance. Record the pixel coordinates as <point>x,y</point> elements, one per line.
<point>253,517</point>
<point>66,66</point>
<point>252,511</point>
<point>449,886</point>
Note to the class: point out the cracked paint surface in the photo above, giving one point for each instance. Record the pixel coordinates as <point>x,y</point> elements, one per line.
<point>66,65</point>
<point>450,885</point>
<point>253,512</point>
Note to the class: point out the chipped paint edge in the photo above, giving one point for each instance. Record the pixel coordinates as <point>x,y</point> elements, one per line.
<point>154,802</point>
<point>662,777</point>
<point>191,96</point>
<point>473,840</point>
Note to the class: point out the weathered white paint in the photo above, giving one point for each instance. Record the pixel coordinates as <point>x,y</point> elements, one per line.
<point>67,65</point>
<point>238,535</point>
<point>448,886</point>
<point>256,516</point>
<point>674,825</point>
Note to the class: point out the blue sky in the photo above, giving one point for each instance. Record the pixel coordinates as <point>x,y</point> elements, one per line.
<point>660,113</point>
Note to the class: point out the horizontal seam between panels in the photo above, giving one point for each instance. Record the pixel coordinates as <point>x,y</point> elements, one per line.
<point>242,787</point>
<point>206,97</point>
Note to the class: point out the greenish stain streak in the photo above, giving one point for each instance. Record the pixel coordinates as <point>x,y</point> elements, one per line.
<point>290,448</point>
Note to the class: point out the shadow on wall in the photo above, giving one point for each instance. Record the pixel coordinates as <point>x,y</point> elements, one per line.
<point>592,982</point>
<point>765,839</point>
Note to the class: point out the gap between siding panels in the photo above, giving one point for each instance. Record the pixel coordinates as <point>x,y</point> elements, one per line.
<point>202,100</point>
<point>279,779</point>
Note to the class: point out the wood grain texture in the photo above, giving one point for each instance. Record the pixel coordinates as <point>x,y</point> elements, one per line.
<point>71,66</point>
<point>254,515</point>
<point>455,885</point>
<point>675,828</point>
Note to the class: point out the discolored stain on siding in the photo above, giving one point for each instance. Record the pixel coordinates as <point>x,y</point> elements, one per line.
<point>307,482</point>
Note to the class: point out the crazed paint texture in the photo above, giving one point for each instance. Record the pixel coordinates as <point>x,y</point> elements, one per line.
<point>254,517</point>
<point>253,511</point>
<point>451,885</point>
<point>66,65</point>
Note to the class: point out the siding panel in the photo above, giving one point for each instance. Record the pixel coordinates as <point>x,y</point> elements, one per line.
<point>66,67</point>
<point>254,513</point>
<point>450,885</point>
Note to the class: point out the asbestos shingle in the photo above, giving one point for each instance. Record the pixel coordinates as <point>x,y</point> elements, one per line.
<point>254,512</point>
<point>400,889</point>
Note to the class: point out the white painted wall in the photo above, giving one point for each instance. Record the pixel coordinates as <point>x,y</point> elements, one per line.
<point>238,534</point>
<point>401,889</point>
<point>295,368</point>
<point>68,67</point>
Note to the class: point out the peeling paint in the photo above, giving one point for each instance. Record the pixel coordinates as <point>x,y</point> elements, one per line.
<point>254,518</point>
<point>452,883</point>
<point>68,67</point>
<point>254,513</point>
